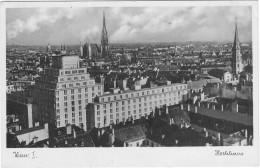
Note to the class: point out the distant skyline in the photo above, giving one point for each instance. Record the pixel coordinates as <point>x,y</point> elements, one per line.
<point>40,26</point>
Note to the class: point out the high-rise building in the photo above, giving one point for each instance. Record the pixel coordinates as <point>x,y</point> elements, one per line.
<point>104,39</point>
<point>61,94</point>
<point>237,65</point>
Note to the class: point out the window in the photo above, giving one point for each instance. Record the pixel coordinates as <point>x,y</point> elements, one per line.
<point>80,108</point>
<point>70,85</point>
<point>77,84</point>
<point>80,113</point>
<point>66,116</point>
<point>65,98</point>
<point>79,101</point>
<point>58,117</point>
<point>73,120</point>
<point>97,107</point>
<point>98,118</point>
<point>111,116</point>
<point>80,119</point>
<point>104,111</point>
<point>58,111</point>
<point>65,92</point>
<point>72,91</point>
<point>79,96</point>
<point>65,104</point>
<point>72,97</point>
<point>85,83</point>
<point>104,106</point>
<point>73,103</point>
<point>58,105</point>
<point>73,114</point>
<point>66,122</point>
<point>57,93</point>
<point>79,90</point>
<point>75,78</point>
<point>73,108</point>
<point>58,123</point>
<point>67,72</point>
<point>66,110</point>
<point>61,79</point>
<point>82,77</point>
<point>86,100</point>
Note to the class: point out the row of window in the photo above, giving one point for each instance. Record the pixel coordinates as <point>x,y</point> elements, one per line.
<point>67,72</point>
<point>75,78</point>
<point>131,95</point>
<point>63,86</point>
<point>79,90</point>
<point>157,97</point>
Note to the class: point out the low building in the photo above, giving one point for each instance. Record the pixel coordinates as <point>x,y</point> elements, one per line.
<point>121,106</point>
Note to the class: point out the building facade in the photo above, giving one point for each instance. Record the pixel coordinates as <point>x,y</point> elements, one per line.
<point>63,92</point>
<point>121,106</point>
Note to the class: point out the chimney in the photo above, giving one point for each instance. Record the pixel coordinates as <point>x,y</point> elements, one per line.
<point>206,133</point>
<point>188,107</point>
<point>114,83</point>
<point>167,110</point>
<point>213,107</point>
<point>235,89</point>
<point>196,109</point>
<point>181,106</point>
<point>68,128</point>
<point>246,134</point>
<point>219,139</point>
<point>163,136</point>
<point>222,107</point>
<point>74,134</point>
<point>173,121</point>
<point>98,134</point>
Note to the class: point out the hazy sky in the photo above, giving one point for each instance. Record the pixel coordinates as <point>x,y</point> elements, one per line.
<point>39,26</point>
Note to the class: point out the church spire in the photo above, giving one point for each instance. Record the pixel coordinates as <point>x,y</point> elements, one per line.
<point>236,39</point>
<point>104,38</point>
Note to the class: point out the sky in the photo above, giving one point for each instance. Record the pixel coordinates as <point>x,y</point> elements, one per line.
<point>40,26</point>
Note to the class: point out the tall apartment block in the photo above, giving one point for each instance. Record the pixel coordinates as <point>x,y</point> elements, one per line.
<point>63,92</point>
<point>119,105</point>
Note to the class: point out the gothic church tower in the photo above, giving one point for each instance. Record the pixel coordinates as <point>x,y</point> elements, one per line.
<point>237,65</point>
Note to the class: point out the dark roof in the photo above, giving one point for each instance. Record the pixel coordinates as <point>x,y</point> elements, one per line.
<point>219,73</point>
<point>223,115</point>
<point>24,131</point>
<point>129,134</point>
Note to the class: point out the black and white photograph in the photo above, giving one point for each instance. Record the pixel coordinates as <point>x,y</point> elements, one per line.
<point>87,76</point>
